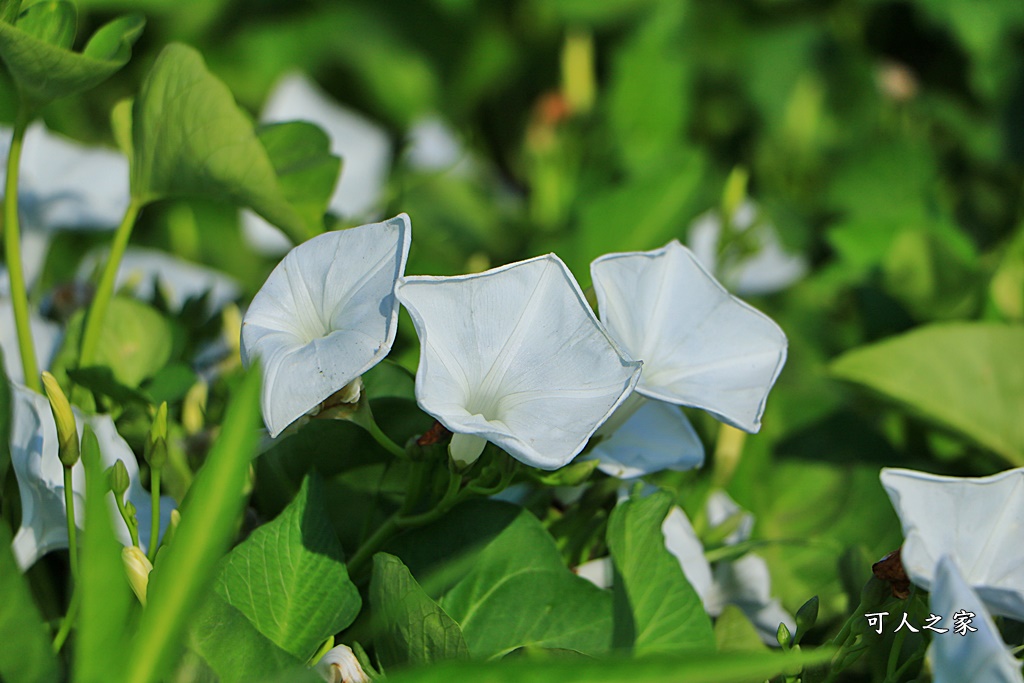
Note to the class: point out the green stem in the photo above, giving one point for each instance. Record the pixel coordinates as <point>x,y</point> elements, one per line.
<point>383,439</point>
<point>105,289</point>
<point>12,247</point>
<point>154,527</point>
<point>69,620</point>
<point>69,503</point>
<point>133,529</point>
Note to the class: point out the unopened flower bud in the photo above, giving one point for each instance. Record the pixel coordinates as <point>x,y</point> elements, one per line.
<point>340,665</point>
<point>193,409</point>
<point>67,431</point>
<point>117,478</point>
<point>156,443</point>
<point>137,567</point>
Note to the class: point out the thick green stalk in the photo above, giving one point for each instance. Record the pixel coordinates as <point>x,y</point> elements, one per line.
<point>69,503</point>
<point>154,533</point>
<point>12,247</point>
<point>105,290</point>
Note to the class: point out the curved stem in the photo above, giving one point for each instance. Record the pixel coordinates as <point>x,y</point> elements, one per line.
<point>12,247</point>
<point>69,620</point>
<point>133,529</point>
<point>154,526</point>
<point>69,504</point>
<point>105,290</point>
<point>384,440</point>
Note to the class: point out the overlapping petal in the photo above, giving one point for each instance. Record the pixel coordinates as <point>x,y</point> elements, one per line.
<point>515,356</point>
<point>765,268</point>
<point>40,478</point>
<point>700,346</point>
<point>326,315</point>
<point>976,656</point>
<point>364,148</point>
<point>656,437</point>
<point>979,522</point>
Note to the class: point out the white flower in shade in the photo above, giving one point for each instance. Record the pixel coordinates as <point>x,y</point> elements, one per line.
<point>146,271</point>
<point>753,264</point>
<point>40,476</point>
<point>326,315</point>
<point>46,338</point>
<point>977,655</point>
<point>515,356</point>
<point>434,147</point>
<point>700,346</point>
<point>979,522</point>
<point>339,665</point>
<point>656,437</point>
<point>364,147</point>
<point>63,184</point>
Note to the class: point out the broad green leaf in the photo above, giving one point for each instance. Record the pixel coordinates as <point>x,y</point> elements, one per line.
<point>658,605</point>
<point>106,596</point>
<point>966,377</point>
<point>704,667</point>
<point>26,655</point>
<point>190,139</point>
<point>306,170</point>
<point>934,273</point>
<point>209,518</point>
<point>44,72</point>
<point>231,645</point>
<point>135,341</point>
<point>411,628</point>
<point>735,633</point>
<point>519,593</point>
<point>289,576</point>
<point>51,21</point>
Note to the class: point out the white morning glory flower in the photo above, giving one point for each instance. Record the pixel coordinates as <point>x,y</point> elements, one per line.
<point>364,148</point>
<point>146,271</point>
<point>978,521</point>
<point>46,337</point>
<point>40,476</point>
<point>326,315</point>
<point>762,267</point>
<point>656,437</point>
<point>515,356</point>
<point>700,346</point>
<point>63,184</point>
<point>977,655</point>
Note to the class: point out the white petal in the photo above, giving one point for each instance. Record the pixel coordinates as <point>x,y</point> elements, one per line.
<point>40,478</point>
<point>326,315</point>
<point>720,507</point>
<point>976,657</point>
<point>63,183</point>
<point>364,146</point>
<point>977,521</point>
<point>515,355</point>
<point>681,540</point>
<point>46,338</point>
<point>263,237</point>
<point>657,437</point>
<point>178,280</point>
<point>433,146</point>
<point>598,572</point>
<point>700,346</point>
<point>768,269</point>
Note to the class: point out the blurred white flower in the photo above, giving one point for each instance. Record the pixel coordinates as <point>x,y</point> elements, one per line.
<point>146,271</point>
<point>46,337</point>
<point>975,656</point>
<point>339,665</point>
<point>515,356</point>
<point>656,437</point>
<point>700,346</point>
<point>979,522</point>
<point>363,145</point>
<point>434,147</point>
<point>326,315</point>
<point>40,476</point>
<point>62,184</point>
<point>760,266</point>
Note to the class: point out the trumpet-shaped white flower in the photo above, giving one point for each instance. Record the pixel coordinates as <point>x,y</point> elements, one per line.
<point>46,338</point>
<point>656,437</point>
<point>364,148</point>
<point>40,476</point>
<point>975,656</point>
<point>700,346</point>
<point>147,271</point>
<point>977,521</point>
<point>761,268</point>
<point>63,184</point>
<point>515,356</point>
<point>326,315</point>
<point>339,665</point>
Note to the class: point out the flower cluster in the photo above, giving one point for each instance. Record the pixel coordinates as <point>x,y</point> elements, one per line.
<point>514,355</point>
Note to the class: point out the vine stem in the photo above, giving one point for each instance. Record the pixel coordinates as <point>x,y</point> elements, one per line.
<point>154,526</point>
<point>69,504</point>
<point>12,247</point>
<point>69,620</point>
<point>105,290</point>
